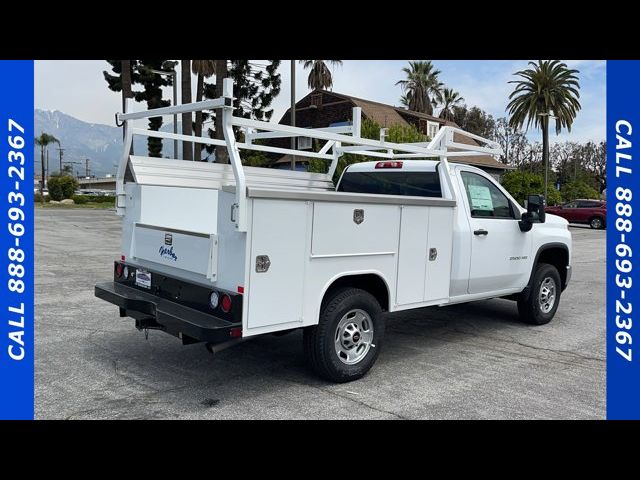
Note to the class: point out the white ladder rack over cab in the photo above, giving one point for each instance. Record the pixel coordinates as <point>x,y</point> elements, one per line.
<point>338,140</point>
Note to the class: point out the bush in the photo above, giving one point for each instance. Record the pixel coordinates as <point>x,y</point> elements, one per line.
<point>99,198</point>
<point>38,198</point>
<point>553,196</point>
<point>61,187</point>
<point>80,199</point>
<point>573,190</point>
<point>520,184</point>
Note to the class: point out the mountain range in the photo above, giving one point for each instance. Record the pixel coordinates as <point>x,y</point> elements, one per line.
<point>101,144</point>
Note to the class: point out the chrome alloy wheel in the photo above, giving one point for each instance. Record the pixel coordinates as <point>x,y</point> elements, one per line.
<point>354,336</point>
<point>547,295</point>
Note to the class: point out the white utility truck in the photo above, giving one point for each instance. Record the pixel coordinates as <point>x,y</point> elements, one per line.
<point>220,253</point>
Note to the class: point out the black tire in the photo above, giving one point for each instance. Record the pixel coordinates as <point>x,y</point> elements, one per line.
<point>531,310</point>
<point>596,223</point>
<point>319,340</point>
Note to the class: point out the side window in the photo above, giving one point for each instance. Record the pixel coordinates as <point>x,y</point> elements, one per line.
<point>485,199</point>
<point>570,205</point>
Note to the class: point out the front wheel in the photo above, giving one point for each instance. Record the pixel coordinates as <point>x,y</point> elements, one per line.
<point>544,297</point>
<point>346,342</point>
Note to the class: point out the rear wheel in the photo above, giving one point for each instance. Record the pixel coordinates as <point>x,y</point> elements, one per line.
<point>596,223</point>
<point>346,342</point>
<point>544,298</point>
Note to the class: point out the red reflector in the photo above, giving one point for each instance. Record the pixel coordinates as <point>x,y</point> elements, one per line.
<point>235,332</point>
<point>389,164</point>
<point>122,258</point>
<point>240,289</point>
<point>119,268</point>
<point>226,303</point>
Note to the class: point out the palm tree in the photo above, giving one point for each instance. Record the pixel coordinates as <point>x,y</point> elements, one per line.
<point>549,89</point>
<point>422,88</point>
<point>43,141</point>
<point>450,99</point>
<point>222,72</point>
<point>203,69</point>
<point>187,125</point>
<point>320,76</point>
<point>405,100</point>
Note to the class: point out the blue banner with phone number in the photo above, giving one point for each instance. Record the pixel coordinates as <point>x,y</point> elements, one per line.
<point>16,240</point>
<point>623,225</point>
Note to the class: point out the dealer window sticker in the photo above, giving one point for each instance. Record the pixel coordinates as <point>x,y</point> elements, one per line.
<point>480,198</point>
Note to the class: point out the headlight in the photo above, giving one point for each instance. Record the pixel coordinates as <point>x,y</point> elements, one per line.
<point>214,299</point>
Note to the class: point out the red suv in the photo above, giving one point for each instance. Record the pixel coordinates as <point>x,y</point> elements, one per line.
<point>592,212</point>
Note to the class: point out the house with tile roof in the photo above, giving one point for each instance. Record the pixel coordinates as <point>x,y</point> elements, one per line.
<point>322,108</point>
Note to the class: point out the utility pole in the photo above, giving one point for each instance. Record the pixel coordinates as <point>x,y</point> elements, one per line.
<point>60,151</point>
<point>293,110</point>
<point>86,167</point>
<point>47,167</point>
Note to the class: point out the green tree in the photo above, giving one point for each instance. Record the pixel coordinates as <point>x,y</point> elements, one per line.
<point>548,88</point>
<point>187,122</point>
<point>520,184</point>
<point>320,77</point>
<point>62,186</point>
<point>578,189</point>
<point>122,79</point>
<point>255,85</point>
<point>370,129</point>
<point>152,84</point>
<point>474,120</point>
<point>203,69</point>
<point>450,99</point>
<point>422,88</point>
<point>43,141</point>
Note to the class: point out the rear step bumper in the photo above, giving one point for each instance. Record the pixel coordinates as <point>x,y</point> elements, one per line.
<point>153,312</point>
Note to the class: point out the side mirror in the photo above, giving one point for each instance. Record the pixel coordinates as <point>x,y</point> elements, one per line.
<point>535,212</point>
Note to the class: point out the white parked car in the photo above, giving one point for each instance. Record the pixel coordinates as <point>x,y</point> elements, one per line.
<point>222,253</point>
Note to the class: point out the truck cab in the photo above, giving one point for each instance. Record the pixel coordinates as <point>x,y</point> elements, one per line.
<point>493,255</point>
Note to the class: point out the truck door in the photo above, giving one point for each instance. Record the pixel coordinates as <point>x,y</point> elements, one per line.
<point>499,250</point>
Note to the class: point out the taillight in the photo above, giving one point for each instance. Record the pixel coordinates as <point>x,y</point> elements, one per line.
<point>394,164</point>
<point>119,269</point>
<point>225,303</point>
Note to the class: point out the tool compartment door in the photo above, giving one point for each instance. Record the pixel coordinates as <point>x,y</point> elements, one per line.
<point>278,231</point>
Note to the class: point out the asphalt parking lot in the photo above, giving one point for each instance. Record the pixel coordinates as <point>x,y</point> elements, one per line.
<point>468,361</point>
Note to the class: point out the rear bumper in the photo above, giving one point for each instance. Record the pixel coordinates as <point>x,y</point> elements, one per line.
<point>151,311</point>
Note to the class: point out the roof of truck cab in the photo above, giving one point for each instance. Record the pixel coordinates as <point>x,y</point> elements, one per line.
<point>407,166</point>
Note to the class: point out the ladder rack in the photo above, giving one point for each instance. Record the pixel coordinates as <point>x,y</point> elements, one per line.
<point>338,140</point>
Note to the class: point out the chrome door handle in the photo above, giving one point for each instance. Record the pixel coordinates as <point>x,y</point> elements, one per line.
<point>482,231</point>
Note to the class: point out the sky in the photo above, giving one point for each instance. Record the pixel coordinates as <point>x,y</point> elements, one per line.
<point>78,88</point>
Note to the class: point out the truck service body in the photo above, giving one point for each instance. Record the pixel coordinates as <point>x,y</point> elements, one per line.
<point>221,253</point>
